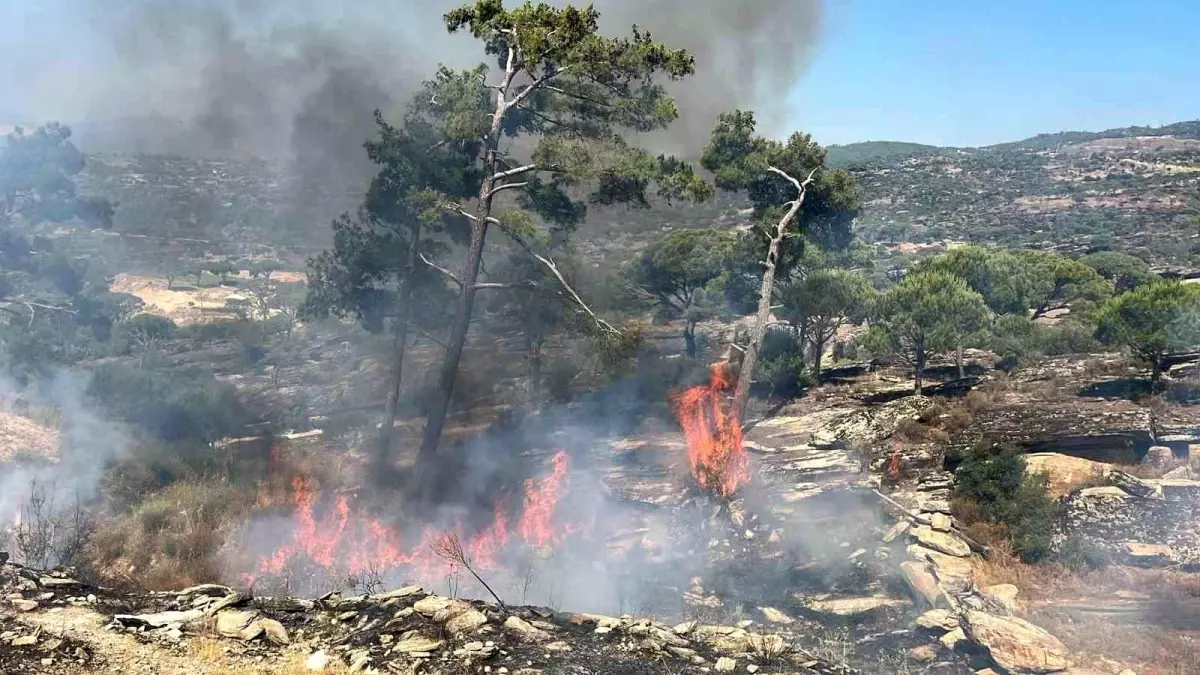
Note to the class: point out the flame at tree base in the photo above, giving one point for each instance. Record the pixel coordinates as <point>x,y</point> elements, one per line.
<point>714,434</point>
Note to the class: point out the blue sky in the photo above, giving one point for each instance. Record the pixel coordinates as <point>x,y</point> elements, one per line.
<point>972,72</point>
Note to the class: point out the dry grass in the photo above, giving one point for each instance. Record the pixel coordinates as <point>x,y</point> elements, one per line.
<point>21,436</point>
<point>171,540</point>
<point>212,652</point>
<point>1147,645</point>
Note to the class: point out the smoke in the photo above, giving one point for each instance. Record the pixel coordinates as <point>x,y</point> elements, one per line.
<point>299,79</point>
<point>88,444</point>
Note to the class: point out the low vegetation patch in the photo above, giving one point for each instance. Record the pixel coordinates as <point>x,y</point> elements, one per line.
<point>992,487</point>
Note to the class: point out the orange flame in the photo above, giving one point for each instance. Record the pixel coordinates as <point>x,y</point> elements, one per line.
<point>714,435</point>
<point>344,539</point>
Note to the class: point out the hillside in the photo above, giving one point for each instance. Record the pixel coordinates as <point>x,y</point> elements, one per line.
<point>1134,189</point>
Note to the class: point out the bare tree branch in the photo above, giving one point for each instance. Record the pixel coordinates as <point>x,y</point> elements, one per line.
<point>450,549</point>
<point>513,172</point>
<point>506,186</point>
<point>443,270</point>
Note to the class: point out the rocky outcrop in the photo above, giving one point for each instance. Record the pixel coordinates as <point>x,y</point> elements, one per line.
<point>1015,644</point>
<point>1064,473</point>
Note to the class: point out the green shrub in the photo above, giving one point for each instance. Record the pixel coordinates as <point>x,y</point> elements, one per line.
<point>172,406</point>
<point>1079,554</point>
<point>781,365</point>
<point>998,485</point>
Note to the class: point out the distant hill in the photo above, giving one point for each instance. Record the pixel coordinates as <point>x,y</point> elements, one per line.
<point>1132,188</point>
<point>855,153</point>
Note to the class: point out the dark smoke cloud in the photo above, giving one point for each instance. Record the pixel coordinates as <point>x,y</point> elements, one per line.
<point>298,79</point>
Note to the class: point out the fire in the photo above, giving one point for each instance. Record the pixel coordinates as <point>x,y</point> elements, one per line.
<point>342,538</point>
<point>714,435</point>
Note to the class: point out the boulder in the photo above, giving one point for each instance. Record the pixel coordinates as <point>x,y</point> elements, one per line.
<point>1159,457</point>
<point>922,584</point>
<point>725,665</point>
<point>404,592</point>
<point>232,623</point>
<point>23,605</point>
<point>158,620</point>
<point>1001,595</point>
<point>956,575</point>
<point>466,622</point>
<point>1064,473</point>
<point>1143,553</point>
<point>1106,491</point>
<point>316,661</point>
<point>432,604</point>
<point>275,632</point>
<point>770,614</point>
<point>942,541</point>
<point>1015,644</point>
<point>923,653</point>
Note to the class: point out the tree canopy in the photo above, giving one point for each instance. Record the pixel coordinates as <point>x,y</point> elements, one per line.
<point>683,271</point>
<point>925,313</point>
<point>824,301</point>
<point>1152,321</point>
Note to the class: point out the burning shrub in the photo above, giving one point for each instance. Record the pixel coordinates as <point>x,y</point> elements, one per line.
<point>714,434</point>
<point>1003,494</point>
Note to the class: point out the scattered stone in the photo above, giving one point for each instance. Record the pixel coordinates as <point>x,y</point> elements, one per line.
<point>24,641</point>
<point>525,628</point>
<point>158,620</point>
<point>558,646</point>
<point>275,632</point>
<point>770,614</point>
<point>466,622</point>
<point>432,604</point>
<point>56,582</point>
<point>949,640</point>
<point>940,619</point>
<point>923,653</point>
<point>956,575</point>
<point>1002,595</point>
<point>751,668</point>
<point>1015,644</point>
<point>896,530</point>
<point>940,522</point>
<point>403,592</point>
<point>725,665</point>
<point>23,605</point>
<point>602,630</point>
<point>855,606</point>
<point>941,541</point>
<point>923,584</point>
<point>317,661</point>
<point>1133,485</point>
<point>689,626</point>
<point>416,641</point>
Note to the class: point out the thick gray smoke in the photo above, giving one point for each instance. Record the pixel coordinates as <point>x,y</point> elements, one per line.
<point>299,79</point>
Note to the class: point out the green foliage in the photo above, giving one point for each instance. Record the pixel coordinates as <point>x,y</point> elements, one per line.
<point>1080,553</point>
<point>781,365</point>
<point>683,272</point>
<point>1124,271</point>
<point>1152,321</point>
<point>1004,494</point>
<point>926,312</point>
<point>823,301</point>
<point>171,405</point>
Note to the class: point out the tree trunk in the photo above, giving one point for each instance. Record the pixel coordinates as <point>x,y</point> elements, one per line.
<point>1155,372</point>
<point>689,336</point>
<point>920,366</point>
<point>741,395</point>
<point>958,359</point>
<point>399,342</point>
<point>802,332</point>
<point>440,405</point>
<point>818,353</point>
